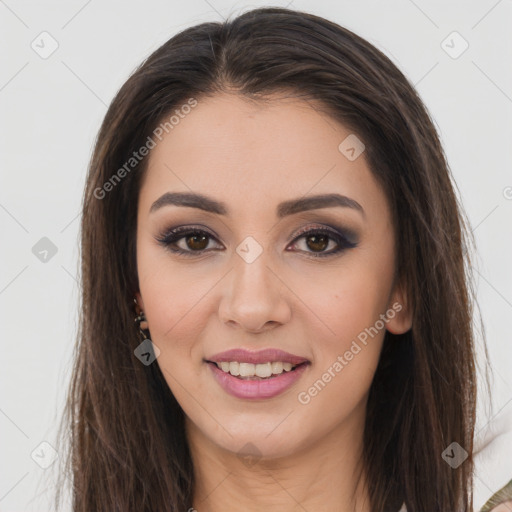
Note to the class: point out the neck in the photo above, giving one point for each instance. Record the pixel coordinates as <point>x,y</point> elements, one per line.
<point>312,479</point>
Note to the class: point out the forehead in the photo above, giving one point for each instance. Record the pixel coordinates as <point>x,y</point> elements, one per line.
<point>252,154</point>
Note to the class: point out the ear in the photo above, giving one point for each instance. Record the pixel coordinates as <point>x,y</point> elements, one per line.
<point>139,307</point>
<point>139,300</point>
<point>399,311</point>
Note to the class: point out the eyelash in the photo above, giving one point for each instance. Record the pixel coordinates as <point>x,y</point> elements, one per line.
<point>172,236</point>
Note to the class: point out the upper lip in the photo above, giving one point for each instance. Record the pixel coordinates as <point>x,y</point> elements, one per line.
<point>261,356</point>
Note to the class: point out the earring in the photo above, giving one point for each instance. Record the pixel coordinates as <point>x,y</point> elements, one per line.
<point>141,320</point>
<point>147,351</point>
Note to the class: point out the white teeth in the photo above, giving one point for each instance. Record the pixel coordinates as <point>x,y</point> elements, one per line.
<point>277,367</point>
<point>261,370</point>
<point>246,369</point>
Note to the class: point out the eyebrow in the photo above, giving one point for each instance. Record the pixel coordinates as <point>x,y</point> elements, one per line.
<point>290,207</point>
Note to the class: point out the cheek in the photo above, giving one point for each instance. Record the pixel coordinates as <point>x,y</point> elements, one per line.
<point>347,354</point>
<point>176,299</point>
<point>345,364</point>
<point>176,315</point>
<point>351,299</point>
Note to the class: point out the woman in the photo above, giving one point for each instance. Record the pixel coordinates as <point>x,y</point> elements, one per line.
<point>271,196</point>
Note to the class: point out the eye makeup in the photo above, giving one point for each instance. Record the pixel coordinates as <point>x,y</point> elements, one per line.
<point>316,234</point>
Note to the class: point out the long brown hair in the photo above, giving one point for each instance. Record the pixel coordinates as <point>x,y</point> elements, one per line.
<point>127,444</point>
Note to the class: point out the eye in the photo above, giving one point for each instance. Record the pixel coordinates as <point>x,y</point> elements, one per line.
<point>317,240</point>
<point>192,240</point>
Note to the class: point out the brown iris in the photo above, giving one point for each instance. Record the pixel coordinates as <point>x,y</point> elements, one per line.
<point>197,242</point>
<point>317,242</point>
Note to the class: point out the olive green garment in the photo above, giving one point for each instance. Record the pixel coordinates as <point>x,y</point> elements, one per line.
<point>502,496</point>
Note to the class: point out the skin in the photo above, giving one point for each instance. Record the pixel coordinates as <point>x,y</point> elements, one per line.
<point>503,507</point>
<point>506,506</point>
<point>252,156</point>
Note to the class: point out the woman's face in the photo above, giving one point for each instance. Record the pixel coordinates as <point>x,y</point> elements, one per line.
<point>252,280</point>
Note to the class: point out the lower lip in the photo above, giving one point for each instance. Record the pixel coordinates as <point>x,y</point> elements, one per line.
<point>257,389</point>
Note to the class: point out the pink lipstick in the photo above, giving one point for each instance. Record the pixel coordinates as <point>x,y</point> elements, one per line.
<point>256,374</point>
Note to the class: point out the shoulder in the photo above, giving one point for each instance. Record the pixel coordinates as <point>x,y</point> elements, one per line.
<point>502,497</point>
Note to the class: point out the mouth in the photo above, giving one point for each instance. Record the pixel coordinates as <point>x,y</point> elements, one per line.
<point>256,375</point>
<point>259,371</point>
<point>261,375</point>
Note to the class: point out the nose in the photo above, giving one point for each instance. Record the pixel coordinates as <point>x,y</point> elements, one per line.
<point>255,298</point>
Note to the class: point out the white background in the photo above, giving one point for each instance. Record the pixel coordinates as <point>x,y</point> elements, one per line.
<point>51,110</point>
